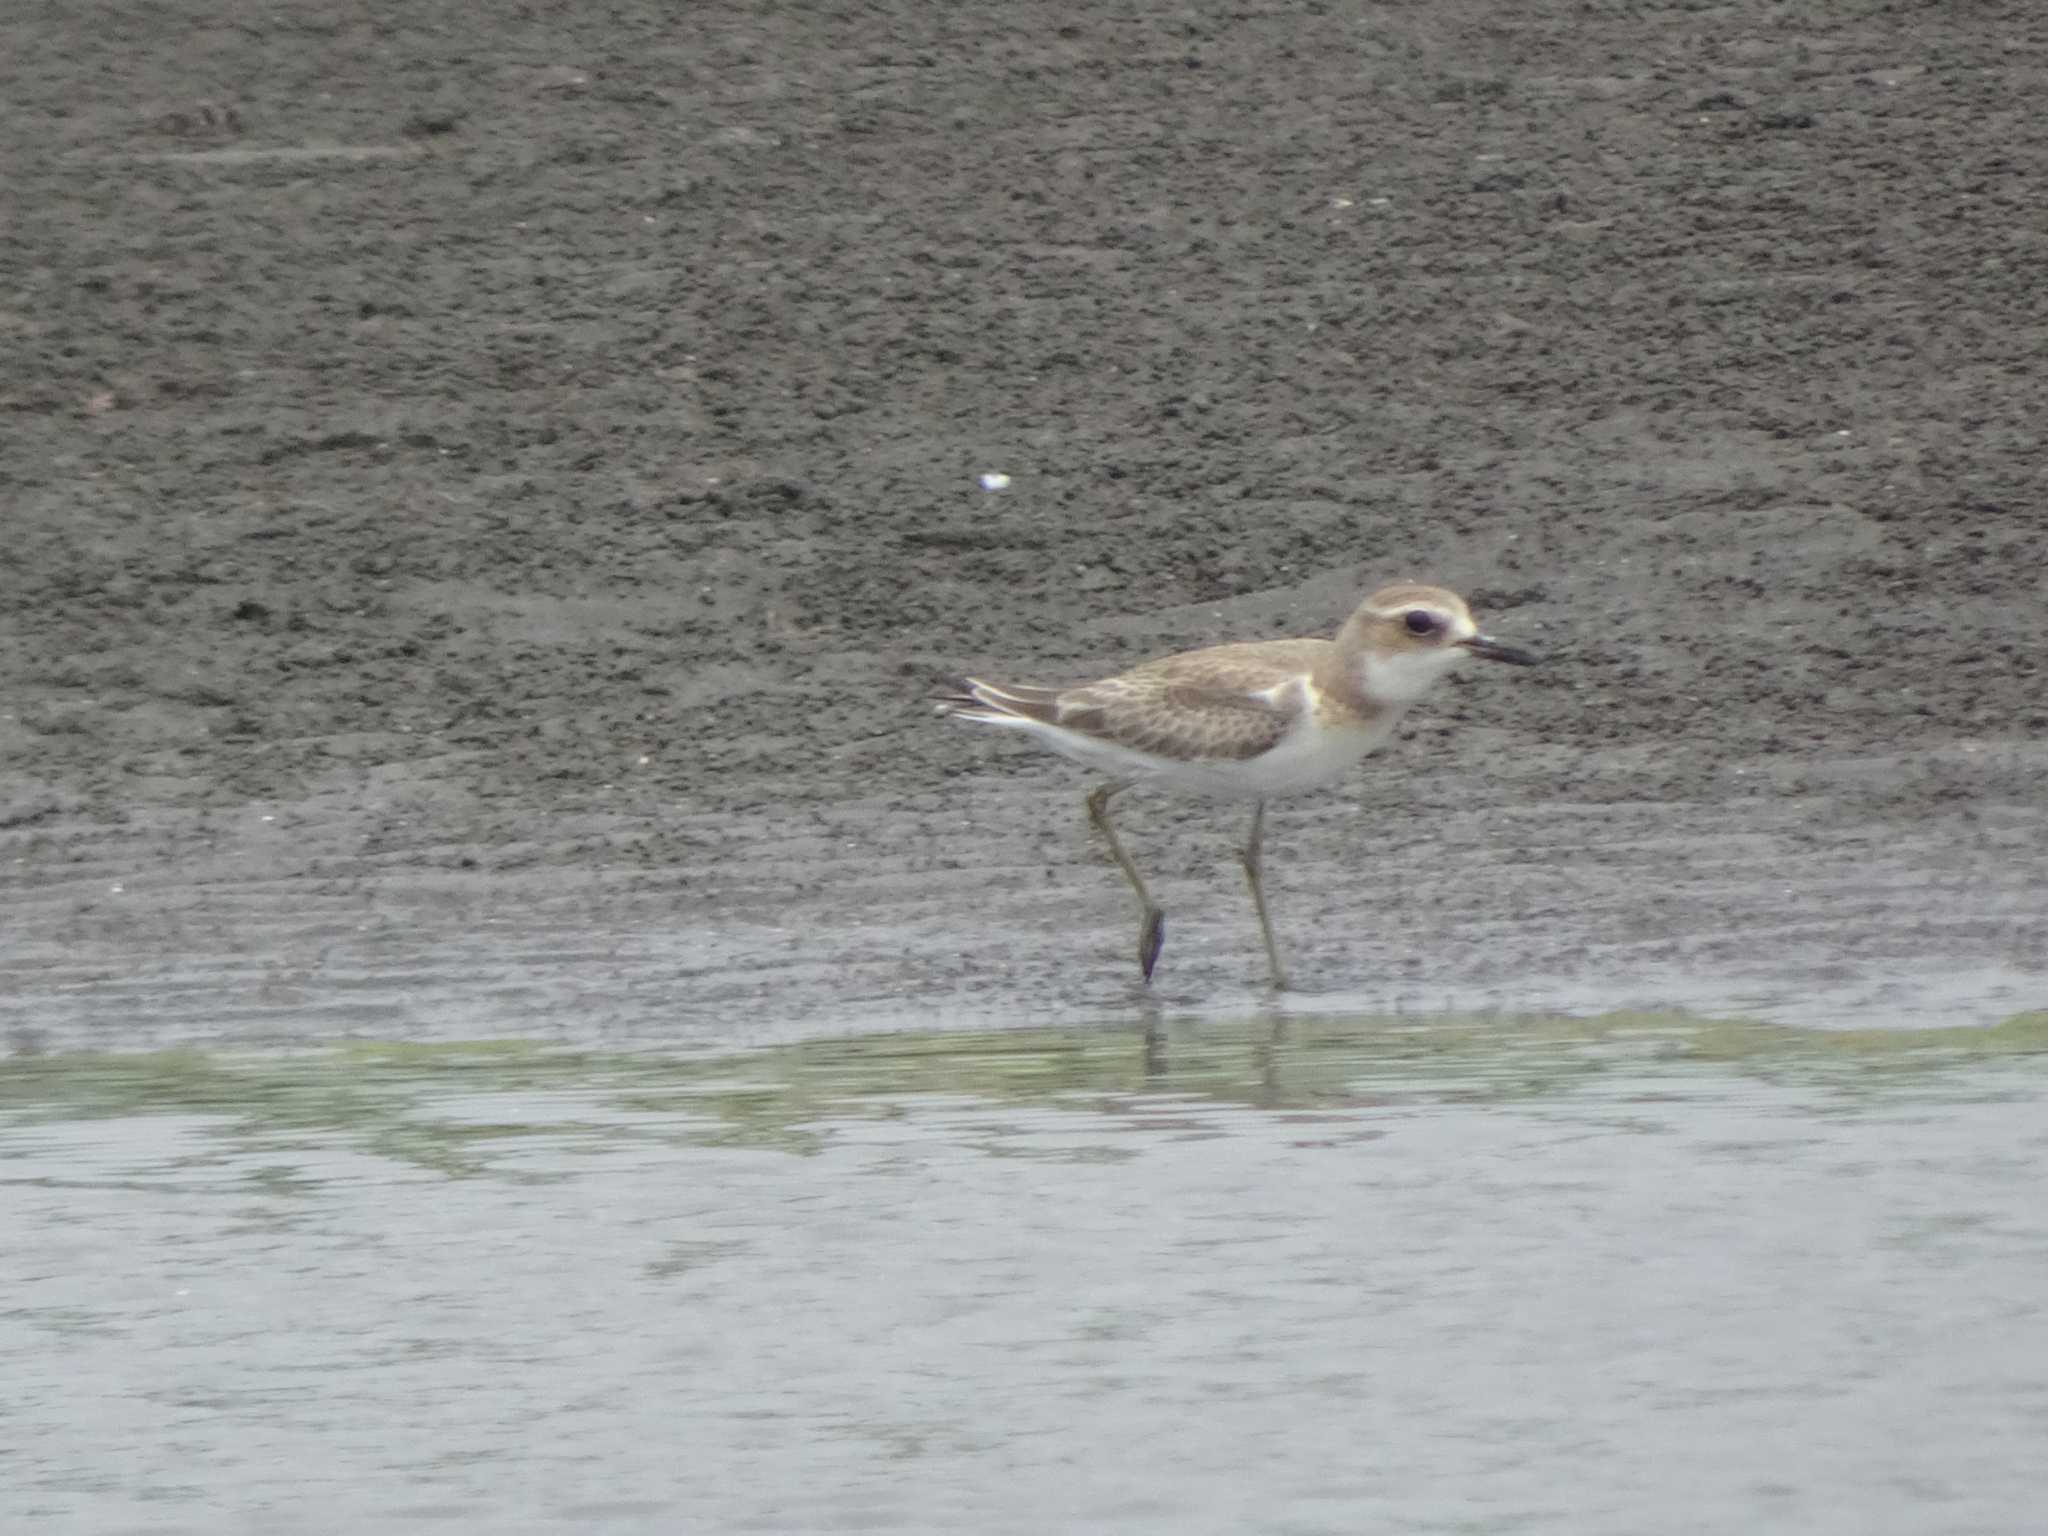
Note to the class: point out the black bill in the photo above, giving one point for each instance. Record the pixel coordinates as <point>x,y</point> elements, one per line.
<point>1499,650</point>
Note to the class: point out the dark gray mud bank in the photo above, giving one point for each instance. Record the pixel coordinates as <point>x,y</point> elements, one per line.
<point>483,505</point>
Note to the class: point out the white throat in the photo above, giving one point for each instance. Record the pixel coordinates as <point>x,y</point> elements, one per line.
<point>1404,677</point>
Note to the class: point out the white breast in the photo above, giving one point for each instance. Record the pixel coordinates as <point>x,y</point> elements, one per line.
<point>1309,756</point>
<point>1314,752</point>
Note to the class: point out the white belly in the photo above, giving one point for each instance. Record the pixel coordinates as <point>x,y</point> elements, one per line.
<point>1307,757</point>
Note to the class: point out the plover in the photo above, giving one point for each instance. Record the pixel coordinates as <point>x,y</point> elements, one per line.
<point>1247,721</point>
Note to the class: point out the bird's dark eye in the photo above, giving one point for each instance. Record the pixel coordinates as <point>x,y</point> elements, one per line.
<point>1420,621</point>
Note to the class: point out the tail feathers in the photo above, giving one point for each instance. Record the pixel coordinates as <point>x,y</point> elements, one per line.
<point>995,704</point>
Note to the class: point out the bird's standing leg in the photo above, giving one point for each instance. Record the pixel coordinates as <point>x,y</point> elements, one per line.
<point>1249,857</point>
<point>1152,927</point>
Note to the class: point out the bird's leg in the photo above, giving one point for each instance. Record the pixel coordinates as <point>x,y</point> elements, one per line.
<point>1152,927</point>
<point>1249,857</point>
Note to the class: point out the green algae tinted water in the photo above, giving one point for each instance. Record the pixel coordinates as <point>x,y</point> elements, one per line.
<point>1489,1274</point>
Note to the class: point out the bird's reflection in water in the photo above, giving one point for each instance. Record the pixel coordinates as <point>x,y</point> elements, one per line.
<point>1267,1035</point>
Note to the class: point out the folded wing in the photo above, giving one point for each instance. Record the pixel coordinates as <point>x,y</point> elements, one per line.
<point>1230,702</point>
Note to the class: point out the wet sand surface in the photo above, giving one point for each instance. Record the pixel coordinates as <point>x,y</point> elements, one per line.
<point>484,511</point>
<point>478,506</point>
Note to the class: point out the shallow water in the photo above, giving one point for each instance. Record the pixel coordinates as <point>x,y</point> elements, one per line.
<point>1317,1274</point>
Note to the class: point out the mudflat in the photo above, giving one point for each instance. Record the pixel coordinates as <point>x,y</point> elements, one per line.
<point>484,505</point>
